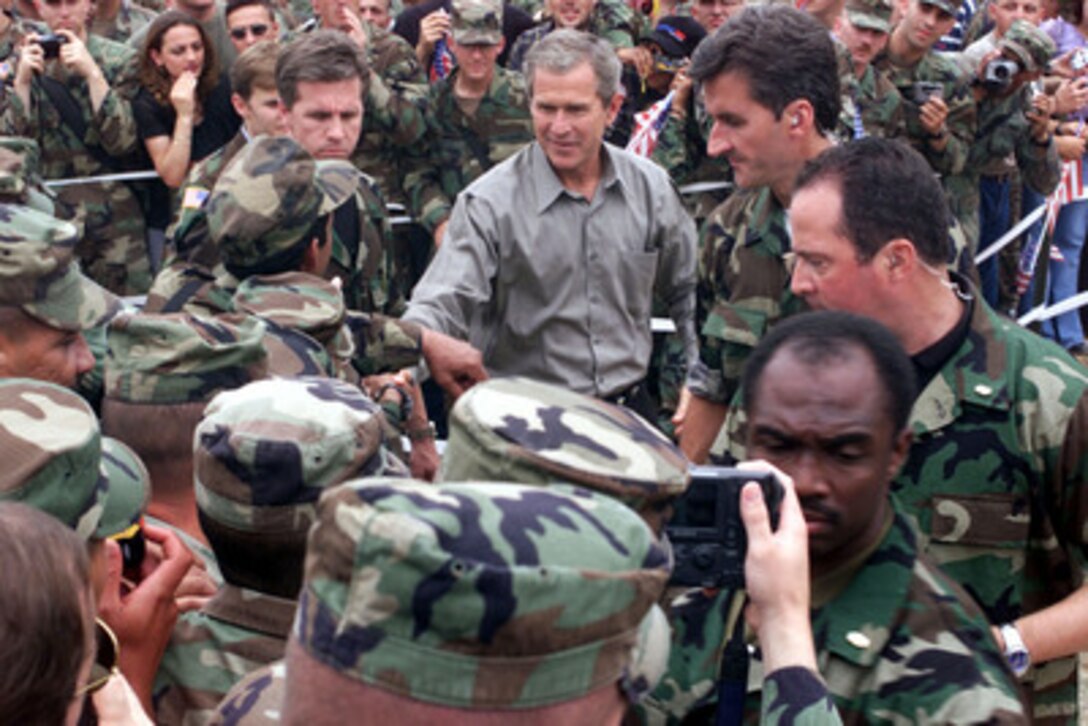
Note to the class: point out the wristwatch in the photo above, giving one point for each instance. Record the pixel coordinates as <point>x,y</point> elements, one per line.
<point>1016,653</point>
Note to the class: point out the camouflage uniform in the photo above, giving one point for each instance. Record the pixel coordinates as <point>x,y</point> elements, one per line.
<point>21,182</point>
<point>315,433</point>
<point>995,480</point>
<point>128,20</point>
<point>613,20</point>
<point>10,40</point>
<point>460,148</point>
<point>1004,132</point>
<point>113,250</point>
<point>897,642</point>
<point>962,123</point>
<point>871,100</point>
<point>52,437</point>
<point>520,430</point>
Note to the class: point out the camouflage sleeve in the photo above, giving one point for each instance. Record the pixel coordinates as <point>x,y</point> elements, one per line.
<point>796,697</point>
<point>961,124</point>
<point>114,120</point>
<point>427,201</point>
<point>676,151</point>
<point>1039,165</point>
<point>1070,502</point>
<point>676,270</point>
<point>618,23</point>
<point>383,344</point>
<point>397,110</point>
<point>16,119</point>
<point>398,61</point>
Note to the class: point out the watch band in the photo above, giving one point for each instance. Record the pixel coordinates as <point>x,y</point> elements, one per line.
<point>1016,653</point>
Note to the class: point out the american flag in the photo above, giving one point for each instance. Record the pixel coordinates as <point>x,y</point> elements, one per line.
<point>648,125</point>
<point>443,62</point>
<point>1070,189</point>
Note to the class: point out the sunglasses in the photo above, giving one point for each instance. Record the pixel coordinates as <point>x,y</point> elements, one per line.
<point>258,30</point>
<point>105,660</point>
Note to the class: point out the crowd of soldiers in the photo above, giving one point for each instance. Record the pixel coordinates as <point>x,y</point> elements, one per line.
<point>359,416</point>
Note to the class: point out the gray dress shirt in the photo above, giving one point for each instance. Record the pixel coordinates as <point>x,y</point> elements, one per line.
<point>557,287</point>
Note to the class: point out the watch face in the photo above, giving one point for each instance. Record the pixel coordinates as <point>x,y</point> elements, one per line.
<point>1018,661</point>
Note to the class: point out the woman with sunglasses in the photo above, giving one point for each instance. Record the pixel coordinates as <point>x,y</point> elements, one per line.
<point>183,110</point>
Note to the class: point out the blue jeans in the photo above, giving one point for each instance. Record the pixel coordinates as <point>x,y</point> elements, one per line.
<point>1068,237</point>
<point>993,222</point>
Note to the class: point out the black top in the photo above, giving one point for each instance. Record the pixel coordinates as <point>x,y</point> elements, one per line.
<point>218,126</point>
<point>515,21</point>
<point>929,362</point>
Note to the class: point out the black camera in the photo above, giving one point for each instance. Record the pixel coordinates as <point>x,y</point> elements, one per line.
<point>922,91</point>
<point>997,75</point>
<point>706,532</point>
<point>51,45</point>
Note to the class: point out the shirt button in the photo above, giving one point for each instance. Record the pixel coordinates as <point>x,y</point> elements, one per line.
<point>858,639</point>
<point>983,390</point>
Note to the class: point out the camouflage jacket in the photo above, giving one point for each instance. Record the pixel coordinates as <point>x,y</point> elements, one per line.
<point>129,19</point>
<point>459,148</point>
<point>898,642</point>
<point>1003,132</point>
<point>255,700</point>
<point>995,480</point>
<point>308,332</point>
<point>112,127</point>
<point>10,40</point>
<point>879,104</point>
<point>613,20</point>
<point>961,121</point>
<point>211,649</point>
<point>743,288</point>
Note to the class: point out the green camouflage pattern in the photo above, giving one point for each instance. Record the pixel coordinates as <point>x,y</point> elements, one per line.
<point>879,103</point>
<point>459,148</point>
<point>129,19</point>
<point>179,358</point>
<point>21,181</point>
<point>520,430</point>
<point>613,20</point>
<point>200,550</point>
<point>49,437</point>
<point>1005,420</point>
<point>129,487</point>
<point>1031,45</point>
<point>949,6</point>
<point>113,250</point>
<point>238,632</point>
<point>476,22</point>
<point>478,595</point>
<point>38,272</point>
<point>255,700</point>
<point>269,197</point>
<point>313,432</point>
<point>961,123</point>
<point>870,14</point>
<point>897,642</point>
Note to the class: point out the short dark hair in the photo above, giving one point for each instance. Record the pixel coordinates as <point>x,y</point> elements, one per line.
<point>783,53</point>
<point>820,338</point>
<point>233,5</point>
<point>888,192</point>
<point>321,56</point>
<point>46,621</point>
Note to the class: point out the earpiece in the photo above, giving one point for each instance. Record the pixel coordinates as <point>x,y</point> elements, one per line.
<point>795,120</point>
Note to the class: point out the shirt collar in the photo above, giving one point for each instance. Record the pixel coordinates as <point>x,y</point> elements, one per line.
<point>547,182</point>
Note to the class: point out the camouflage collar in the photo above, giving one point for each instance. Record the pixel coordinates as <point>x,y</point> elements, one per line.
<point>869,603</point>
<point>766,222</point>
<point>975,375</point>
<point>252,610</point>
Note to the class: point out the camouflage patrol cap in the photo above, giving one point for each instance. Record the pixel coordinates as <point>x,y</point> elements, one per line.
<point>295,300</point>
<point>949,6</point>
<point>39,274</point>
<point>176,358</point>
<point>477,22</point>
<point>129,487</point>
<point>265,452</point>
<point>1033,47</point>
<point>269,197</point>
<point>50,442</point>
<point>516,429</point>
<point>870,14</point>
<point>479,595</point>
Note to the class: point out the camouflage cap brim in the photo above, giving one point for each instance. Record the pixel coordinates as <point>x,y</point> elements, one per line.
<point>868,21</point>
<point>75,302</point>
<point>476,36</point>
<point>129,488</point>
<point>494,596</point>
<point>51,448</point>
<point>949,6</point>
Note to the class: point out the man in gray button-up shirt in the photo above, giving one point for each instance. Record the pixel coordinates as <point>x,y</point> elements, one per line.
<point>552,259</point>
